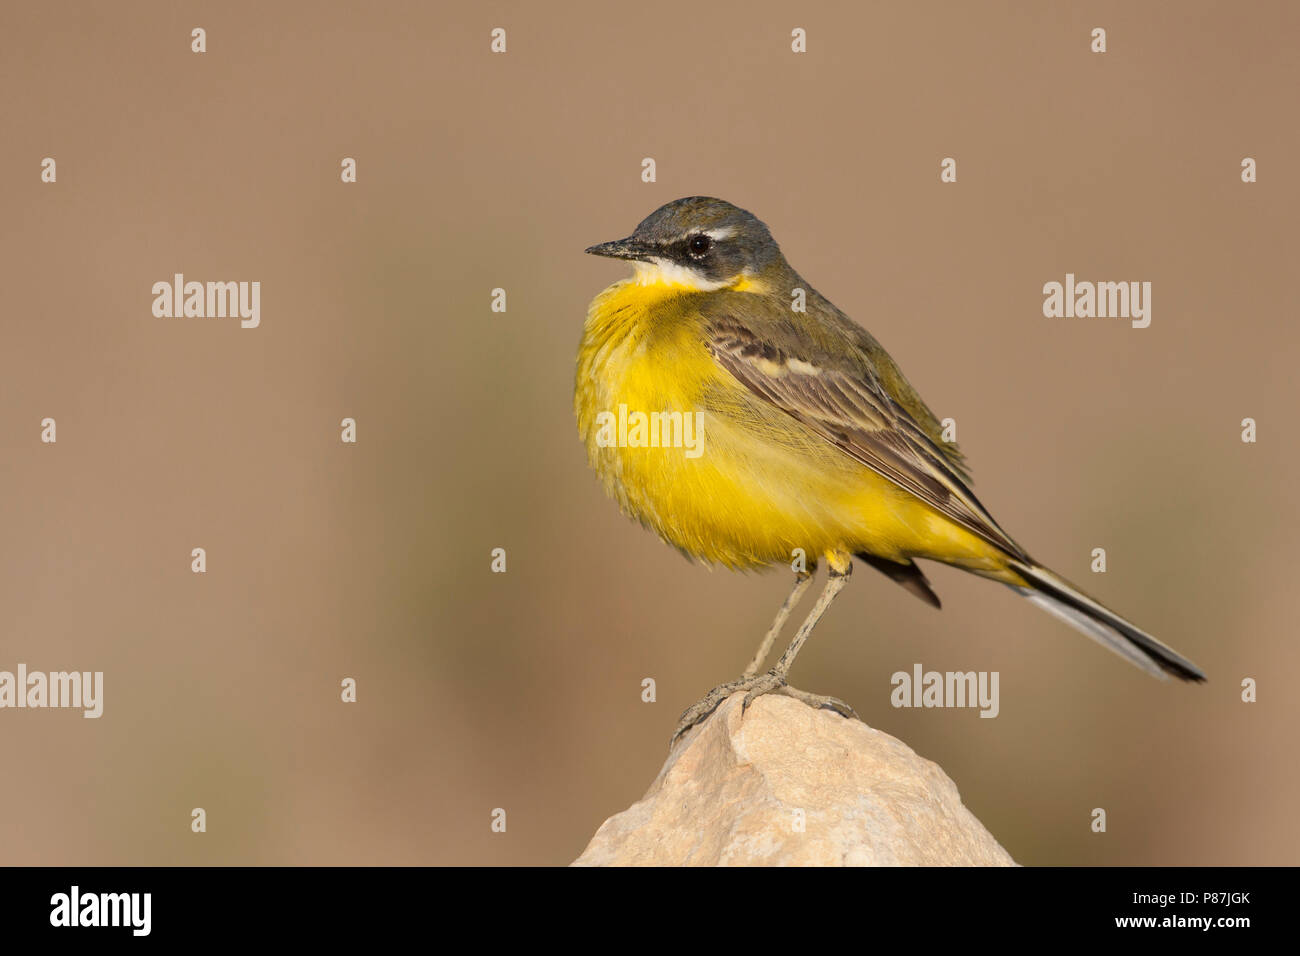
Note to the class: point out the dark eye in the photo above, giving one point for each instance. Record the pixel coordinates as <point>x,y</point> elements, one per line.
<point>699,244</point>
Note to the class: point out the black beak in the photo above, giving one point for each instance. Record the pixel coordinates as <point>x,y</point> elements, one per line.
<point>628,248</point>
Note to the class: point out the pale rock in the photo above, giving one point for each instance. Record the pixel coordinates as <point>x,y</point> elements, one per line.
<point>731,791</point>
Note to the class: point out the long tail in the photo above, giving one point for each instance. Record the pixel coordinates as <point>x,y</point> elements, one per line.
<point>1058,597</point>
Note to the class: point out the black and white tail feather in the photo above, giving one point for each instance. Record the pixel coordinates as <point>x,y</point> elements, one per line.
<point>1061,599</point>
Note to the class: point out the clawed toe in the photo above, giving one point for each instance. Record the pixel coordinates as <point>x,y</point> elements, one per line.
<point>819,702</point>
<point>755,687</point>
<point>762,684</point>
<point>706,705</point>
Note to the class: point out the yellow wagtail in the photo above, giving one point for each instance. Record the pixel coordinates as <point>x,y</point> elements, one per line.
<point>807,436</point>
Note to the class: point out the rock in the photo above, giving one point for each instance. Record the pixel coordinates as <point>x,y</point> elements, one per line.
<point>734,792</point>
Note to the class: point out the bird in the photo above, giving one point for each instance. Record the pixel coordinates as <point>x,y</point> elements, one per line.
<point>733,410</point>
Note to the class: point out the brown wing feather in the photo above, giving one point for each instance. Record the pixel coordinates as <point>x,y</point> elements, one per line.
<point>839,395</point>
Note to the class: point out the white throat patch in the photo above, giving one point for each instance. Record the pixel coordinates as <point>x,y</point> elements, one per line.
<point>666,272</point>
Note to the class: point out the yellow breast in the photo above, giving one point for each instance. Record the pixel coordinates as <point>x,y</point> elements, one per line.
<point>718,473</point>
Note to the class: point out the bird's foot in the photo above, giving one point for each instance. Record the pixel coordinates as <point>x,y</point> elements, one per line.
<point>754,687</point>
<point>710,701</point>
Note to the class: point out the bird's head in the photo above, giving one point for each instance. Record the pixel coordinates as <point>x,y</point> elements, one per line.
<point>699,244</point>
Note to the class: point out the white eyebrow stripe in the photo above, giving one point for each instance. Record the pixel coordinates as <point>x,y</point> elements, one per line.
<point>722,232</point>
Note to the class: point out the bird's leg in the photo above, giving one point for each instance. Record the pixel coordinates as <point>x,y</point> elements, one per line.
<point>774,680</point>
<point>834,584</point>
<point>802,580</point>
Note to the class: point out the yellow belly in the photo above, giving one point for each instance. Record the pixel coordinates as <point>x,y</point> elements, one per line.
<point>757,484</point>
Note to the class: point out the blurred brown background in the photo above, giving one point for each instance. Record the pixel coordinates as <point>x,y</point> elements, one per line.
<point>522,690</point>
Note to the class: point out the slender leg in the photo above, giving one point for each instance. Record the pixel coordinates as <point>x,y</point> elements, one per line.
<point>774,680</point>
<point>834,584</point>
<point>802,580</point>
